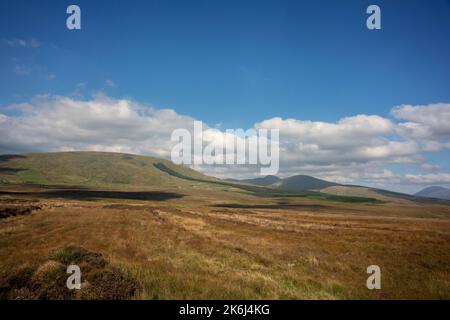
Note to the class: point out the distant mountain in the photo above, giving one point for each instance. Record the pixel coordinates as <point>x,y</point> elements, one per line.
<point>303,183</point>
<point>435,192</point>
<point>103,169</point>
<point>297,183</point>
<point>263,181</point>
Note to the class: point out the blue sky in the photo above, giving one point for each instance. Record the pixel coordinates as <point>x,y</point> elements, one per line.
<point>234,63</point>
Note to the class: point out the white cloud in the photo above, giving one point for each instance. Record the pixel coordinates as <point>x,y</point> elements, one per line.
<point>427,179</point>
<point>429,166</point>
<point>355,149</point>
<point>61,123</point>
<point>31,43</point>
<point>428,124</point>
<point>346,131</point>
<point>359,139</point>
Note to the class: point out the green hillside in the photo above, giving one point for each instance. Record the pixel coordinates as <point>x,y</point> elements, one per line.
<point>261,181</point>
<point>125,171</point>
<point>314,188</point>
<point>302,183</point>
<point>92,168</point>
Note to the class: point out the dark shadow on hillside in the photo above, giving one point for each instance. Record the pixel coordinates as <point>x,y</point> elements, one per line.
<point>257,190</point>
<point>7,170</point>
<point>271,206</point>
<point>7,157</point>
<point>54,186</point>
<point>88,195</point>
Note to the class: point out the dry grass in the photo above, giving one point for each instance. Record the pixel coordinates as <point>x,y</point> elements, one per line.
<point>47,281</point>
<point>193,248</point>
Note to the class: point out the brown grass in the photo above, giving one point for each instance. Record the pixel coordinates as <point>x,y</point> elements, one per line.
<point>48,280</point>
<point>188,248</point>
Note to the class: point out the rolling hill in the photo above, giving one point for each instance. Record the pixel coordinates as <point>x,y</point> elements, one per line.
<point>127,171</point>
<point>306,184</point>
<point>110,170</point>
<point>94,169</point>
<point>106,170</point>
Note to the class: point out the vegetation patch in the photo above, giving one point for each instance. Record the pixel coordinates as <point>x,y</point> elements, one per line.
<point>99,279</point>
<point>345,199</point>
<point>13,210</point>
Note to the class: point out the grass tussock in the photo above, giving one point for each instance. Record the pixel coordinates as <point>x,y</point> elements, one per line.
<point>47,281</point>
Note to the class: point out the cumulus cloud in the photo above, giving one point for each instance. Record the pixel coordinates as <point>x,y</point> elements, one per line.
<point>429,166</point>
<point>59,123</point>
<point>358,139</point>
<point>427,179</point>
<point>355,149</point>
<point>428,124</point>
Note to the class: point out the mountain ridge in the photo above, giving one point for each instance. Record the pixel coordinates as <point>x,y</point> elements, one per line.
<point>112,170</point>
<point>305,183</point>
<point>90,168</point>
<point>436,192</point>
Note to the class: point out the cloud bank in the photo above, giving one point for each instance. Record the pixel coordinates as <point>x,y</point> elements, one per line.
<point>355,149</point>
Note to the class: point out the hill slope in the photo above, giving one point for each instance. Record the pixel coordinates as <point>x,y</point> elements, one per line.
<point>306,184</point>
<point>263,181</point>
<point>111,170</point>
<point>359,191</point>
<point>299,183</point>
<point>92,168</point>
<point>435,192</point>
<point>303,183</point>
